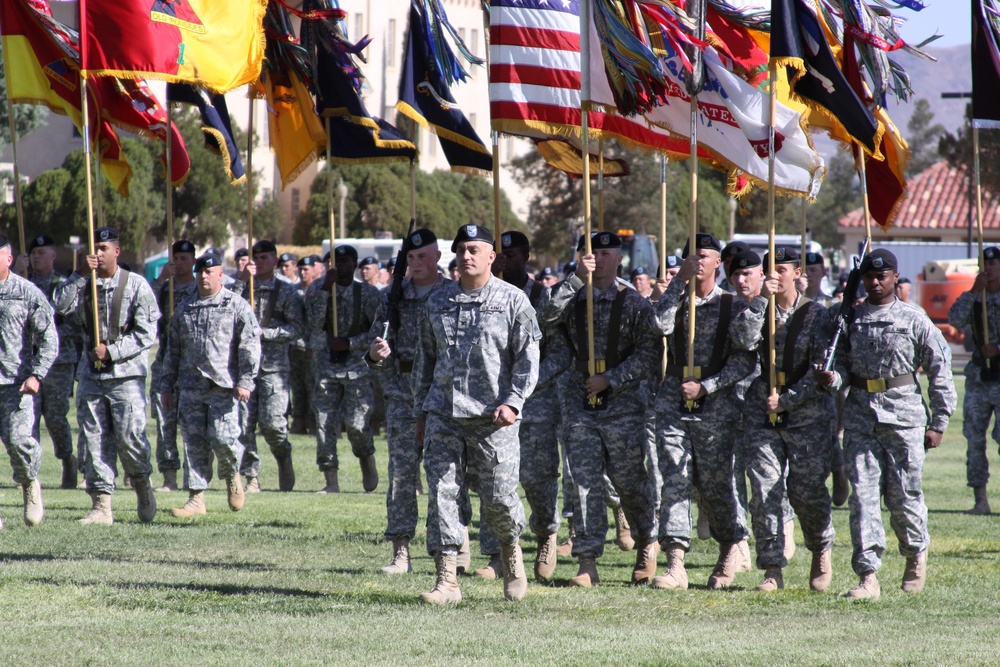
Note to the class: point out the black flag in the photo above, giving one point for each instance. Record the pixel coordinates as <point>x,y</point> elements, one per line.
<point>985,65</point>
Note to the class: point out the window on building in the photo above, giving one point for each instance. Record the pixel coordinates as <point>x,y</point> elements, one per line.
<point>359,27</point>
<point>472,120</point>
<point>461,34</point>
<point>390,44</point>
<point>430,143</point>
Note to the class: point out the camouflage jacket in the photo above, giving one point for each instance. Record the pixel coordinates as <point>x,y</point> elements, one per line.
<point>963,314</point>
<point>161,290</point>
<point>317,304</point>
<point>214,338</point>
<point>478,350</point>
<point>29,342</point>
<point>68,327</point>
<point>806,401</point>
<point>543,403</point>
<point>639,349</point>
<point>403,342</point>
<point>286,323</point>
<point>137,324</point>
<point>736,363</point>
<point>888,342</point>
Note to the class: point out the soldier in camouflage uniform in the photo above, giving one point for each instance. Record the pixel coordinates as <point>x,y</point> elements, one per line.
<point>887,425</point>
<point>394,360</point>
<point>605,412</point>
<point>279,311</point>
<point>28,347</point>
<point>795,442</point>
<point>693,408</point>
<point>982,373</point>
<point>476,363</point>
<point>343,391</point>
<point>168,461</point>
<point>111,392</point>
<point>53,399</point>
<point>302,379</point>
<point>213,352</point>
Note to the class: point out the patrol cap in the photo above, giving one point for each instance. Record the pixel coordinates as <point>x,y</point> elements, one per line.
<point>308,260</point>
<point>992,252</point>
<point>784,256</point>
<point>242,252</point>
<point>182,246</point>
<point>732,248</point>
<point>704,241</point>
<point>3,242</point>
<point>601,240</point>
<point>41,242</point>
<point>879,260</point>
<point>264,246</point>
<point>286,257</point>
<point>207,261</point>
<point>638,271</point>
<point>472,233</point>
<point>418,239</point>
<point>547,271</point>
<point>104,234</point>
<point>744,259</point>
<point>367,261</point>
<point>346,251</point>
<point>514,240</point>
<point>814,258</point>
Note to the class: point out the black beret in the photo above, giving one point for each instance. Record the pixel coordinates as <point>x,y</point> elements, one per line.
<point>706,241</point>
<point>784,256</point>
<point>879,260</point>
<point>673,261</point>
<point>472,233</point>
<point>903,281</point>
<point>732,248</point>
<point>182,246</point>
<point>105,234</point>
<point>514,240</point>
<point>207,261</point>
<point>452,265</point>
<point>638,271</point>
<point>418,239</point>
<point>744,259</point>
<point>814,258</point>
<point>569,268</point>
<point>370,260</point>
<point>601,240</point>
<point>242,252</point>
<point>346,251</point>
<point>286,257</point>
<point>264,246</point>
<point>547,271</point>
<point>308,260</point>
<point>3,241</point>
<point>991,253</point>
<point>41,242</point>
<point>326,257</point>
<point>391,264</point>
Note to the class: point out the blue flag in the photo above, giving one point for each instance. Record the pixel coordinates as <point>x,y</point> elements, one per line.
<point>214,123</point>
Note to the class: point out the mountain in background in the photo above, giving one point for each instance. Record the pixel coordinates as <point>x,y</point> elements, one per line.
<point>952,73</point>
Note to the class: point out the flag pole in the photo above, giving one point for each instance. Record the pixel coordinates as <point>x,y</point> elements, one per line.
<point>805,231</point>
<point>170,204</point>
<point>333,225</point>
<point>694,85</point>
<point>250,193</point>
<point>496,192</point>
<point>90,213</point>
<point>772,375</point>
<point>585,140</point>
<point>979,226</point>
<point>662,272</point>
<point>600,181</point>
<point>17,176</point>
<point>413,189</point>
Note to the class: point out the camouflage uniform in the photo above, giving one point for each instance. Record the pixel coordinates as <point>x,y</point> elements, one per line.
<point>26,325</point>
<point>213,346</point>
<point>53,400</point>
<point>609,440</point>
<point>695,450</point>
<point>982,398</point>
<point>280,323</point>
<point>478,350</point>
<point>795,459</point>
<point>111,405</point>
<point>884,431</point>
<point>167,457</point>
<point>404,450</point>
<point>302,378</point>
<point>343,390</point>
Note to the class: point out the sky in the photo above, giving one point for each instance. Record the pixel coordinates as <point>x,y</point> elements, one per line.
<point>952,19</point>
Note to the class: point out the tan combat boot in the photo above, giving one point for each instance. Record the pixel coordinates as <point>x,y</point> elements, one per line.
<point>821,572</point>
<point>545,559</point>
<point>169,482</point>
<point>463,561</point>
<point>566,548</point>
<point>746,561</point>
<point>915,573</point>
<point>252,485</point>
<point>623,532</point>
<point>146,501</point>
<point>982,506</point>
<point>675,576</point>
<point>68,473</point>
<point>34,512</point>
<point>492,570</point>
<point>773,581</point>
<point>867,589</point>
<point>841,488</point>
<point>645,563</point>
<point>400,563</point>
<point>446,590</point>
<point>100,511</point>
<point>515,581</point>
<point>789,531</point>
<point>194,506</point>
<point>286,473</point>
<point>587,575</point>
<point>332,483</point>
<point>725,567</point>
<point>235,493</point>
<point>369,474</point>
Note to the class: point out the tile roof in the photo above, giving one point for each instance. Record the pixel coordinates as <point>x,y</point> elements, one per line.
<point>936,198</point>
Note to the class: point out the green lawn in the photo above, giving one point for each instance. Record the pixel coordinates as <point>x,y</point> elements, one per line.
<point>293,579</point>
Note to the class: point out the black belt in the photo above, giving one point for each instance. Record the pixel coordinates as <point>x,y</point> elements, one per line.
<point>879,385</point>
<point>405,367</point>
<point>679,371</point>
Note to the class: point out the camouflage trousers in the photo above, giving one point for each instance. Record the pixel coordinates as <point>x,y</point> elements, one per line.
<point>609,447</point>
<point>889,461</point>
<point>301,382</point>
<point>982,402</point>
<point>792,463</point>
<point>404,470</point>
<point>52,402</point>
<point>456,449</point>
<point>339,400</point>
<point>698,455</point>
<point>378,413</point>
<point>17,417</point>
<point>167,456</point>
<point>740,479</point>
<point>571,504</point>
<point>112,419</point>
<point>210,424</point>
<point>266,407</point>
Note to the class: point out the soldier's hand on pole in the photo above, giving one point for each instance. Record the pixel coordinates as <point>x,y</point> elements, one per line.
<point>330,278</point>
<point>770,285</point>
<point>379,350</point>
<point>504,416</point>
<point>101,352</point>
<point>499,264</point>
<point>932,439</point>
<point>980,282</point>
<point>418,429</point>
<point>167,400</point>
<point>167,272</point>
<point>240,394</point>
<point>990,350</point>
<point>31,385</point>
<point>595,384</point>
<point>586,265</point>
<point>249,270</point>
<point>774,404</point>
<point>824,378</point>
<point>90,261</point>
<point>689,268</point>
<point>21,264</point>
<point>691,389</point>
<point>659,289</point>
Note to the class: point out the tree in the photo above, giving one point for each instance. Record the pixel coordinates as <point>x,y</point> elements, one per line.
<point>923,138</point>
<point>28,117</point>
<point>957,150</point>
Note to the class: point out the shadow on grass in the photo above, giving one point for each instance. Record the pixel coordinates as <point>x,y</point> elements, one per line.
<point>220,589</point>
<point>220,566</point>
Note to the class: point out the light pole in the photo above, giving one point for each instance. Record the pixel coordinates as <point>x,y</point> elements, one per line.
<point>342,191</point>
<point>731,203</point>
<point>75,245</point>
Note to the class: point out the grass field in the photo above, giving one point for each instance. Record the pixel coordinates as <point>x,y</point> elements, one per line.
<point>293,579</point>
